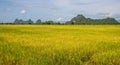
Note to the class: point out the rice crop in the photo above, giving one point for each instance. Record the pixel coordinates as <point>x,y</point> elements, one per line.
<point>59,44</point>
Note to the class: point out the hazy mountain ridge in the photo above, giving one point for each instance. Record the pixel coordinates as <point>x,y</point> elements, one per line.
<point>80,19</point>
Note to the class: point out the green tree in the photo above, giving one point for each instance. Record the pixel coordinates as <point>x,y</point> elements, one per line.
<point>49,22</point>
<point>29,21</point>
<point>58,23</point>
<point>16,21</point>
<point>21,21</point>
<point>38,21</point>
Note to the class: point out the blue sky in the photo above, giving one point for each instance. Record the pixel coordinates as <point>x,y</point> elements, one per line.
<point>57,10</point>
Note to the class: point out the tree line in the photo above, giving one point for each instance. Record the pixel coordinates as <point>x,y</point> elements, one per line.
<point>79,19</point>
<point>20,21</point>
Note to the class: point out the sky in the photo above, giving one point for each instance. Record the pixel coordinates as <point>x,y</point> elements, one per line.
<point>57,10</point>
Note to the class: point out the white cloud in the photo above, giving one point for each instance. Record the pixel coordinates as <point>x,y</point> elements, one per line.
<point>103,14</point>
<point>22,11</point>
<point>27,5</point>
<point>59,19</point>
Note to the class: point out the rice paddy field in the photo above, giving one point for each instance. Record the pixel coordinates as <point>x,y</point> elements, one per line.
<point>59,44</point>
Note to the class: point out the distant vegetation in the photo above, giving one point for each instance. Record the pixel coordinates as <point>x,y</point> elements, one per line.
<point>20,21</point>
<point>17,21</point>
<point>79,19</point>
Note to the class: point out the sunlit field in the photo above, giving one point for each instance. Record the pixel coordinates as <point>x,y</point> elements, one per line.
<point>59,44</point>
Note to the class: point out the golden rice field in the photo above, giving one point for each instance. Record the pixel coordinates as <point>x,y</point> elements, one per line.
<point>59,44</point>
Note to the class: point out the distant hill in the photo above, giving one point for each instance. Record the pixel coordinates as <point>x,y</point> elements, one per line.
<point>80,19</point>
